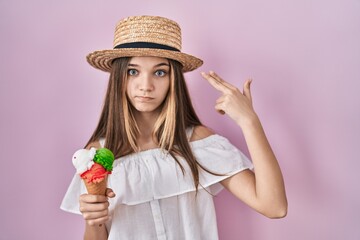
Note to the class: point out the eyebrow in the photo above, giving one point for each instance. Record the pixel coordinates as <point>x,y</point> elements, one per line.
<point>157,65</point>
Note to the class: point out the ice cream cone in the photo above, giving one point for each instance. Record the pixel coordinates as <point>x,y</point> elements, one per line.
<point>94,166</point>
<point>96,188</point>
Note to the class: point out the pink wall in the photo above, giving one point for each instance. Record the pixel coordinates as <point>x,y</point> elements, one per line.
<point>304,58</point>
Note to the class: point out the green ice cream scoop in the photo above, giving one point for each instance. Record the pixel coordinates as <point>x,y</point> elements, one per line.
<point>105,158</point>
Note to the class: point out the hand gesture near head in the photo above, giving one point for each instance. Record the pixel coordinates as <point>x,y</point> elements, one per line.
<point>238,105</point>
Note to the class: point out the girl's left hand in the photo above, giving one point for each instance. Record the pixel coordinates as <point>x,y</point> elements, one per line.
<point>233,102</point>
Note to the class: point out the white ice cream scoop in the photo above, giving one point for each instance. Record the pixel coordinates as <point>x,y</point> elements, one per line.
<point>83,159</point>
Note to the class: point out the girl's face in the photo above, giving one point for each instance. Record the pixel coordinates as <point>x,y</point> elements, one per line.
<point>148,82</point>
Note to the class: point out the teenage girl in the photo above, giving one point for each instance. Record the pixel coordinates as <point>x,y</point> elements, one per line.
<point>168,165</point>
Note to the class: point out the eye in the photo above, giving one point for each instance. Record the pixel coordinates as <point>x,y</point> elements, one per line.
<point>160,73</point>
<point>132,72</point>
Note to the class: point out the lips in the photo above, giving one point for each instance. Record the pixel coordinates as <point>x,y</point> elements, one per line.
<point>144,98</point>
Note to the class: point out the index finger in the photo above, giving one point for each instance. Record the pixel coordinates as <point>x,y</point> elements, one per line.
<point>221,81</point>
<point>90,198</point>
<point>216,84</point>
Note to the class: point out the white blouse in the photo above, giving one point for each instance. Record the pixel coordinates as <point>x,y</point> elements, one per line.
<point>155,200</point>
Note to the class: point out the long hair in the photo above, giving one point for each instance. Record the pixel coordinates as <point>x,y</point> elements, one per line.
<point>119,128</point>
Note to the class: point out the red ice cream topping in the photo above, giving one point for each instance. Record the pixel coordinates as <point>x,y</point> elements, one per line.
<point>95,174</point>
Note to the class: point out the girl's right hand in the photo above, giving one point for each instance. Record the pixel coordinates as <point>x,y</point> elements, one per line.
<point>95,208</point>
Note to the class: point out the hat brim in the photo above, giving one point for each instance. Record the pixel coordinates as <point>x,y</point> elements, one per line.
<point>102,59</point>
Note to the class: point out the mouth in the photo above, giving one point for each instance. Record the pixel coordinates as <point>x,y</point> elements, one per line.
<point>144,98</point>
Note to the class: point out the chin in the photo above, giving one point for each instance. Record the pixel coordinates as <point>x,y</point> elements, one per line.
<point>146,107</point>
<point>143,109</point>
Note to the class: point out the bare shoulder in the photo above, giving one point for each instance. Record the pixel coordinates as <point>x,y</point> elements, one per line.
<point>95,144</point>
<point>201,132</point>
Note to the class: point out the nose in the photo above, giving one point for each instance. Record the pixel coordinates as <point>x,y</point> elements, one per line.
<point>145,83</point>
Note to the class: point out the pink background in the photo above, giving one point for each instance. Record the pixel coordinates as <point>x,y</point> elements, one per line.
<point>303,56</point>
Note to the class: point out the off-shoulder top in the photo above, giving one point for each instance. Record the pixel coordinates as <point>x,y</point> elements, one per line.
<point>155,200</point>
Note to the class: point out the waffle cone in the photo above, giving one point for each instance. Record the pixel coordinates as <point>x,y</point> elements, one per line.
<point>97,188</point>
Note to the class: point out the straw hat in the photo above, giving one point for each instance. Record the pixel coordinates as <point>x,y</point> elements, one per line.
<point>145,36</point>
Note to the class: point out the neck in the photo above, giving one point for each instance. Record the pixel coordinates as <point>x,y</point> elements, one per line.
<point>146,122</point>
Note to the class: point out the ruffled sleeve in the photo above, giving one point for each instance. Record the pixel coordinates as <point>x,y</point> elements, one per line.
<point>218,155</point>
<point>154,174</point>
<point>70,202</point>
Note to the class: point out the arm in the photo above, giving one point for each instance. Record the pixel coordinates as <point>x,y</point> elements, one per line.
<point>263,189</point>
<point>94,209</point>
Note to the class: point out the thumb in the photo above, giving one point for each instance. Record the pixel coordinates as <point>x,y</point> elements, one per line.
<point>110,193</point>
<point>246,90</point>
